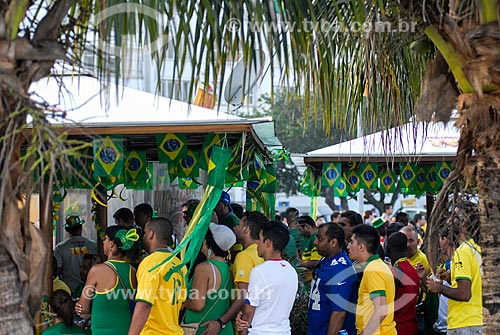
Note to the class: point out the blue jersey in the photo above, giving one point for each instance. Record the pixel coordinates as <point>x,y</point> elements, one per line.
<point>333,289</point>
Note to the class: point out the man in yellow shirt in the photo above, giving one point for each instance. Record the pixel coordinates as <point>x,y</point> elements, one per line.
<point>465,304</point>
<point>415,255</point>
<point>158,301</point>
<point>375,308</point>
<point>247,234</point>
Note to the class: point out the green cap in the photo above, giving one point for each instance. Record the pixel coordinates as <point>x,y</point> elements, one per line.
<point>378,222</point>
<point>73,220</point>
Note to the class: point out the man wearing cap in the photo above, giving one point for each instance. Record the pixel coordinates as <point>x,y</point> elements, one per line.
<point>224,211</point>
<point>69,253</point>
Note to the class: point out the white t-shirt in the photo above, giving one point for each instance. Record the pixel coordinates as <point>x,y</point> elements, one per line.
<point>272,289</point>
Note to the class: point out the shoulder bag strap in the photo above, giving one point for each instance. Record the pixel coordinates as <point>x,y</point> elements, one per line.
<point>112,267</point>
<point>218,296</point>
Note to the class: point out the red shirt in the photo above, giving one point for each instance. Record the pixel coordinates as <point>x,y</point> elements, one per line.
<point>407,286</point>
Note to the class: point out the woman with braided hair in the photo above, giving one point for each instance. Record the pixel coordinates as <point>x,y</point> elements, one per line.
<point>110,286</point>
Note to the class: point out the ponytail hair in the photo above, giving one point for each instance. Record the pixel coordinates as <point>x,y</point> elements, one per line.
<point>62,305</point>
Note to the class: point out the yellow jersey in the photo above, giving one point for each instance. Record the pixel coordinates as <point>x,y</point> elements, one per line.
<point>377,281</point>
<point>164,297</point>
<point>466,265</point>
<point>244,262</point>
<point>420,257</point>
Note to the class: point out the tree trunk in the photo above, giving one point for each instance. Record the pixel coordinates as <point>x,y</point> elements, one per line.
<point>481,118</point>
<point>13,313</point>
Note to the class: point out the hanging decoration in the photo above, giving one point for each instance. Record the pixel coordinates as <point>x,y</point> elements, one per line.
<point>171,147</point>
<point>331,174</point>
<point>368,176</point>
<point>108,157</point>
<point>387,181</point>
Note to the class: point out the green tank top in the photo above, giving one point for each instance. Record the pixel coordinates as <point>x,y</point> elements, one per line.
<point>110,314</point>
<point>217,302</point>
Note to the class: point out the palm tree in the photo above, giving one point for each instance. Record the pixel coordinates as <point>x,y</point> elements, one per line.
<point>437,55</point>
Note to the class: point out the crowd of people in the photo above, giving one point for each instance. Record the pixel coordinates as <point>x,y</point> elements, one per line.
<point>364,275</point>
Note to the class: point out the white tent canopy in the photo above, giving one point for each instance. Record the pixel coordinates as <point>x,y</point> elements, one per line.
<point>410,142</point>
<point>81,97</point>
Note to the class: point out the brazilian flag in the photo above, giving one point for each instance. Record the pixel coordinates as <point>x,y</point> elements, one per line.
<point>172,172</point>
<point>145,183</point>
<point>408,174</point>
<point>210,141</point>
<point>258,168</point>
<point>255,185</point>
<point>353,182</point>
<point>216,175</point>
<point>420,181</point>
<point>240,157</point>
<point>108,156</point>
<point>271,180</point>
<point>307,182</point>
<point>188,165</point>
<point>331,174</point>
<point>388,181</point>
<point>197,229</point>
<point>431,178</point>
<point>340,191</point>
<point>171,147</point>
<point>443,170</point>
<point>135,165</point>
<point>369,176</point>
<point>187,183</point>
<point>161,175</point>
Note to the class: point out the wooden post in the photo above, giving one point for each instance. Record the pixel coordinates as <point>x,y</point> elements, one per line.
<point>46,227</point>
<point>102,217</point>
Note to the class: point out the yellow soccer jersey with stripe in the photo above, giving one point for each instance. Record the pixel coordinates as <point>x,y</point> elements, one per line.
<point>164,297</point>
<point>377,281</point>
<point>466,265</point>
<point>310,251</point>
<point>244,262</point>
<point>420,257</point>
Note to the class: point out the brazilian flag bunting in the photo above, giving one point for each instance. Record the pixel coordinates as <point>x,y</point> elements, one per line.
<point>407,175</point>
<point>420,181</point>
<point>443,170</point>
<point>210,141</point>
<point>219,157</point>
<point>188,165</point>
<point>431,178</point>
<point>172,171</point>
<point>108,156</point>
<point>388,181</point>
<point>187,183</point>
<point>171,147</point>
<point>271,182</point>
<point>255,185</point>
<point>331,174</point>
<point>353,182</point>
<point>340,191</point>
<point>135,165</point>
<point>238,165</point>
<point>307,182</point>
<point>369,174</point>
<point>258,168</point>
